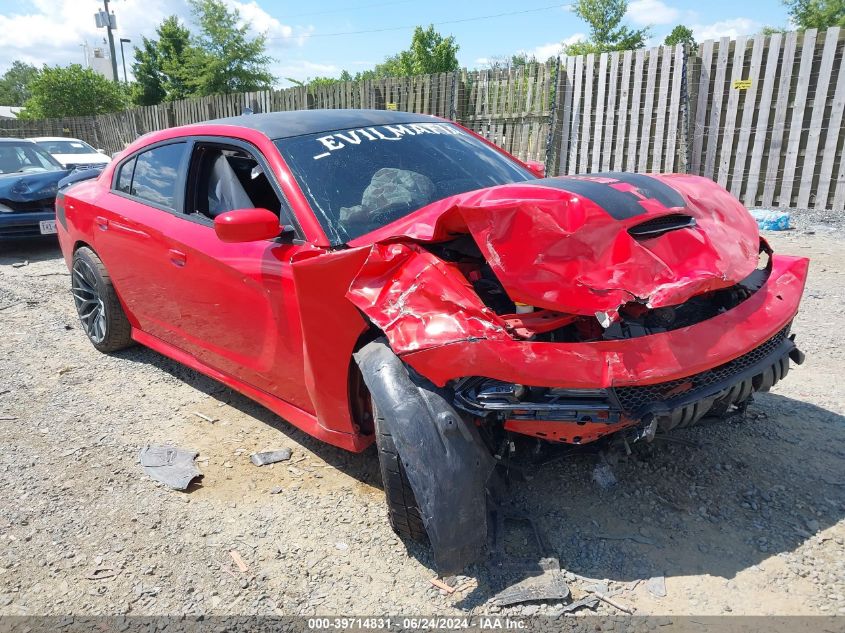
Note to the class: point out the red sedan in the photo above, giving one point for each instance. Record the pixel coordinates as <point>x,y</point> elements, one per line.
<point>394,278</point>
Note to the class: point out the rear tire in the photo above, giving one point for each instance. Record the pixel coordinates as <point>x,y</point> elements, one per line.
<point>100,313</point>
<point>402,509</point>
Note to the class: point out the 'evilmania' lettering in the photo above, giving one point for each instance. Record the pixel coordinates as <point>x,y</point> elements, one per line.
<point>347,138</point>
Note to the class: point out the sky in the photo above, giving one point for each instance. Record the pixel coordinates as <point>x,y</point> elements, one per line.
<point>324,37</point>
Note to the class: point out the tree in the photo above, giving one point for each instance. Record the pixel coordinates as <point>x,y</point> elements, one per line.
<point>164,68</point>
<point>771,30</point>
<point>681,35</point>
<point>517,60</point>
<point>816,14</point>
<point>227,59</point>
<point>607,33</point>
<point>179,58</point>
<point>430,52</point>
<point>14,85</point>
<point>71,91</point>
<point>148,88</point>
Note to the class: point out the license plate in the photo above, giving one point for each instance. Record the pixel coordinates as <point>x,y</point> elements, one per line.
<point>47,227</point>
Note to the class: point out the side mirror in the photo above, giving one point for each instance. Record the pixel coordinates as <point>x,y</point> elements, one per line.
<point>247,225</point>
<point>536,167</point>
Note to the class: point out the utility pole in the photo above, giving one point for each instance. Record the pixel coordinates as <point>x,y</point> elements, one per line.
<point>123,57</point>
<point>111,24</point>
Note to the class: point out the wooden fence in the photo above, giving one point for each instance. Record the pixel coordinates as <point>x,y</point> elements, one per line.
<point>761,115</point>
<point>767,118</point>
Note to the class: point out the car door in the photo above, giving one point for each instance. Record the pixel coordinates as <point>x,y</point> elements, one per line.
<point>236,303</point>
<point>131,223</point>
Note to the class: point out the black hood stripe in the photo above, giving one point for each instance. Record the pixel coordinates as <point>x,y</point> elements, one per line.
<point>649,187</point>
<point>620,205</point>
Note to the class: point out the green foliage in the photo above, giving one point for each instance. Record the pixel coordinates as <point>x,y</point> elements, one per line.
<point>816,14</point>
<point>517,60</point>
<point>221,59</point>
<point>227,59</point>
<point>430,52</point>
<point>148,87</point>
<point>681,35</point>
<point>522,59</point>
<point>607,33</point>
<point>14,85</point>
<point>179,59</point>
<point>164,68</point>
<point>71,91</point>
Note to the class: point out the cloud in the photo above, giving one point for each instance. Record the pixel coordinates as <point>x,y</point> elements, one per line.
<point>553,49</point>
<point>544,51</point>
<point>726,28</point>
<point>572,39</point>
<point>52,31</point>
<point>541,53</point>
<point>644,12</point>
<point>262,22</point>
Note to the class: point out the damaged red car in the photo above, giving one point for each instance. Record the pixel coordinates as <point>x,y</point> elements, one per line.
<point>393,278</point>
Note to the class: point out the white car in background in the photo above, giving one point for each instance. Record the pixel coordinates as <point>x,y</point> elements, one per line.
<point>72,153</point>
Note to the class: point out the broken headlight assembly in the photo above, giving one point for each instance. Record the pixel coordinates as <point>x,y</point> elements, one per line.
<point>483,397</point>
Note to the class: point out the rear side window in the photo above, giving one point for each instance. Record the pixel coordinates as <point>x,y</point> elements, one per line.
<point>156,174</point>
<point>124,177</point>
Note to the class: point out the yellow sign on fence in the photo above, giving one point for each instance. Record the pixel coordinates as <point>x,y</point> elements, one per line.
<point>391,106</point>
<point>742,84</point>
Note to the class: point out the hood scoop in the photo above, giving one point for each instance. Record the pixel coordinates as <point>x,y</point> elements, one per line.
<point>662,225</point>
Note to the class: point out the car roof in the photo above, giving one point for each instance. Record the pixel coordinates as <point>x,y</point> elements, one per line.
<point>15,140</point>
<point>276,125</point>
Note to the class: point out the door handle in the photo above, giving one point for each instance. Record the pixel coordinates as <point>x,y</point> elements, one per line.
<point>177,258</point>
<point>102,223</point>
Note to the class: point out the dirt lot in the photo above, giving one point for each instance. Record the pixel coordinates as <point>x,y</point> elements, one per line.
<point>741,516</point>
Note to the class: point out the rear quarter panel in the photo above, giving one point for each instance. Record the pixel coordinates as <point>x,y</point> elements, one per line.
<point>75,211</point>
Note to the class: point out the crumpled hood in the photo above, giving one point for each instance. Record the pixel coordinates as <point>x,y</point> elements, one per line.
<point>564,244</point>
<point>569,245</point>
<point>30,187</point>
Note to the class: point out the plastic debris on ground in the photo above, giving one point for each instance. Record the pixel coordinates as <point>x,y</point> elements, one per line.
<point>771,220</point>
<point>550,585</point>
<point>656,586</point>
<point>169,465</point>
<point>603,476</point>
<point>270,457</point>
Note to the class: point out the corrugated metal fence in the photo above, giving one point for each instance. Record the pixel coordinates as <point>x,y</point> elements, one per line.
<point>761,115</point>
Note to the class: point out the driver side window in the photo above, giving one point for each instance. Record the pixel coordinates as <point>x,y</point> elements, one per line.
<point>227,178</point>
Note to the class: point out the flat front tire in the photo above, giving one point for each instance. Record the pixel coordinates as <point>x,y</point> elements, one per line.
<point>402,509</point>
<point>100,313</point>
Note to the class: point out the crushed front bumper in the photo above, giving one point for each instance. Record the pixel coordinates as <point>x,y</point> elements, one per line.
<point>672,378</point>
<point>581,416</point>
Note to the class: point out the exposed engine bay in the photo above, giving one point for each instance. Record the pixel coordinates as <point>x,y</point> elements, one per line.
<point>635,318</point>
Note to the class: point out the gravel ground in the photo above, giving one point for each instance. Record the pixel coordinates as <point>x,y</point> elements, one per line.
<point>744,516</point>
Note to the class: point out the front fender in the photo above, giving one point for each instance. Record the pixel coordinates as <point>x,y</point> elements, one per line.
<point>447,463</point>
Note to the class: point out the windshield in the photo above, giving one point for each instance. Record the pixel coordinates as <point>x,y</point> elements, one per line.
<point>25,157</point>
<point>359,180</point>
<point>70,146</point>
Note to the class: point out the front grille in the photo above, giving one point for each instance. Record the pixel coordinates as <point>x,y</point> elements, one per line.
<point>633,398</point>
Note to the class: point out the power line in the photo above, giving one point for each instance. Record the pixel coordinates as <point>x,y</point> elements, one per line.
<point>445,22</point>
<point>346,10</point>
